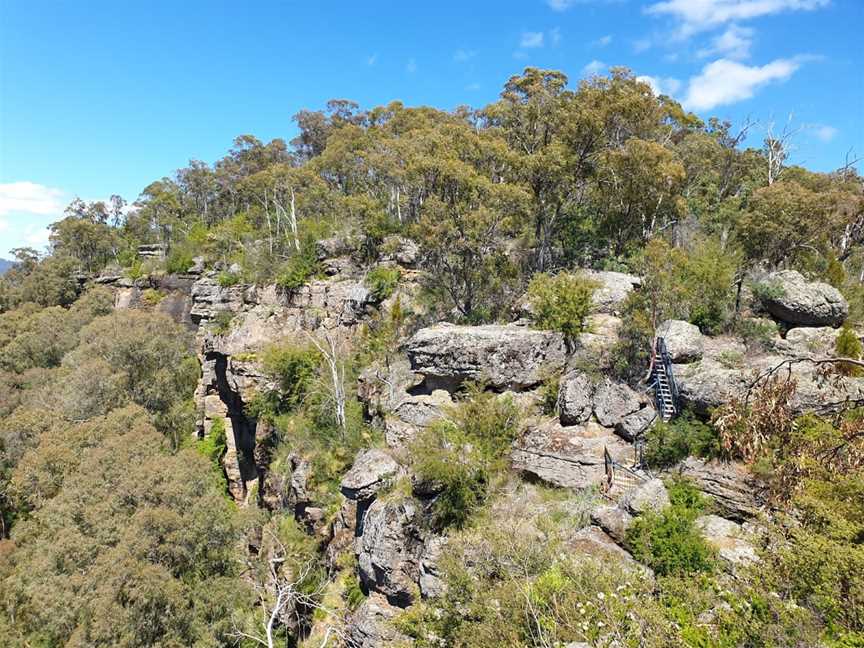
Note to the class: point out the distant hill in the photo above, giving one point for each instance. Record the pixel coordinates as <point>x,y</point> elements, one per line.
<point>5,264</point>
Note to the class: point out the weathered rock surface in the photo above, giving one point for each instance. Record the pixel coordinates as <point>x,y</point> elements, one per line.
<point>634,424</point>
<point>804,303</point>
<point>389,552</point>
<point>684,341</point>
<point>708,384</point>
<point>614,520</point>
<point>431,584</point>
<point>732,487</point>
<point>576,398</point>
<point>570,457</point>
<point>414,413</point>
<point>650,497</point>
<point>507,357</point>
<point>727,538</point>
<point>593,541</point>
<point>370,627</point>
<point>613,401</point>
<point>613,289</point>
<point>372,470</point>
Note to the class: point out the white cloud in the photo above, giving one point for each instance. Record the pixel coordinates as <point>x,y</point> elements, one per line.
<point>603,41</point>
<point>411,66</point>
<point>823,132</point>
<point>473,87</point>
<point>372,60</point>
<point>696,16</point>
<point>37,236</point>
<point>733,43</point>
<point>726,82</point>
<point>30,198</point>
<point>594,68</point>
<point>661,85</point>
<point>555,36</point>
<point>531,39</point>
<point>560,5</point>
<point>460,56</point>
<point>642,45</point>
<point>4,225</point>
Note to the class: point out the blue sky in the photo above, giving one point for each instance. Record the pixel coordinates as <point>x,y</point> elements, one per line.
<point>103,97</point>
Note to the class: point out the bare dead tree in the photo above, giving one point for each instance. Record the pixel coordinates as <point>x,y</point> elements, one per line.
<point>778,147</point>
<point>285,592</point>
<point>336,367</point>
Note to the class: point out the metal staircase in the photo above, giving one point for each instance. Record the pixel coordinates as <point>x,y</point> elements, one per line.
<point>663,381</point>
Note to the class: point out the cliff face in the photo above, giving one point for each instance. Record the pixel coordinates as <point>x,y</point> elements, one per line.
<point>388,530</point>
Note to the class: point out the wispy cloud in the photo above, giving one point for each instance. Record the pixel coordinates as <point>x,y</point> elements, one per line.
<point>411,66</point>
<point>462,55</point>
<point>694,16</point>
<point>822,132</point>
<point>725,82</point>
<point>594,68</point>
<point>564,5</point>
<point>555,36</point>
<point>30,198</point>
<point>641,45</point>
<point>531,40</point>
<point>603,41</point>
<point>372,60</point>
<point>473,87</point>
<point>734,43</point>
<point>661,85</point>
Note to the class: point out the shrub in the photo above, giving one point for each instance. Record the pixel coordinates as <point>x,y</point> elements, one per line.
<point>382,281</point>
<point>179,260</point>
<point>293,368</point>
<point>213,445</point>
<point>848,346</point>
<point>755,333</point>
<point>561,302</point>
<point>221,323</point>
<point>227,279</point>
<point>667,541</point>
<point>152,297</point>
<point>549,396</point>
<point>668,443</point>
<point>446,464</point>
<point>297,270</point>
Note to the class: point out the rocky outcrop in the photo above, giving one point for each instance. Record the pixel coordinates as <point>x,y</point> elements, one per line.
<point>684,341</point>
<point>728,539</point>
<point>370,625</point>
<point>797,302</point>
<point>612,289</point>
<point>372,470</point>
<point>648,497</point>
<point>594,542</point>
<point>708,384</point>
<point>570,457</point>
<point>614,520</point>
<point>580,396</point>
<point>389,550</point>
<point>731,486</point>
<point>506,357</point>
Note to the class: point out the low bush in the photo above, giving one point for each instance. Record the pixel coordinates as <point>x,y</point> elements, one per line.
<point>848,346</point>
<point>179,260</point>
<point>214,444</point>
<point>668,443</point>
<point>382,281</point>
<point>227,279</point>
<point>298,269</point>
<point>667,541</point>
<point>561,302</point>
<point>294,368</point>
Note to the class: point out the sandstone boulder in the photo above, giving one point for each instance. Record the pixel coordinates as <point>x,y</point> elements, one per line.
<point>728,539</point>
<point>613,401</point>
<point>370,627</point>
<point>635,424</point>
<point>372,470</point>
<point>684,341</point>
<point>614,520</point>
<point>569,457</point>
<point>576,398</point>
<point>649,497</point>
<point>506,356</point>
<point>389,550</point>
<point>613,288</point>
<point>594,542</point>
<point>730,485</point>
<point>798,302</point>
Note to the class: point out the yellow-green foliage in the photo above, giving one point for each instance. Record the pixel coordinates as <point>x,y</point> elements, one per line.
<point>382,281</point>
<point>213,445</point>
<point>560,302</point>
<point>848,346</point>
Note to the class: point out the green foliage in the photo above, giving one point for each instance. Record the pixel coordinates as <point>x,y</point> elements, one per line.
<point>560,302</point>
<point>632,352</point>
<point>848,346</point>
<point>382,281</point>
<point>668,443</point>
<point>179,259</point>
<point>213,445</point>
<point>549,396</point>
<point>456,459</point>
<point>152,297</point>
<point>757,334</point>
<point>294,368</point>
<point>767,291</point>
<point>227,279</point>
<point>298,269</point>
<point>221,322</point>
<point>668,541</point>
